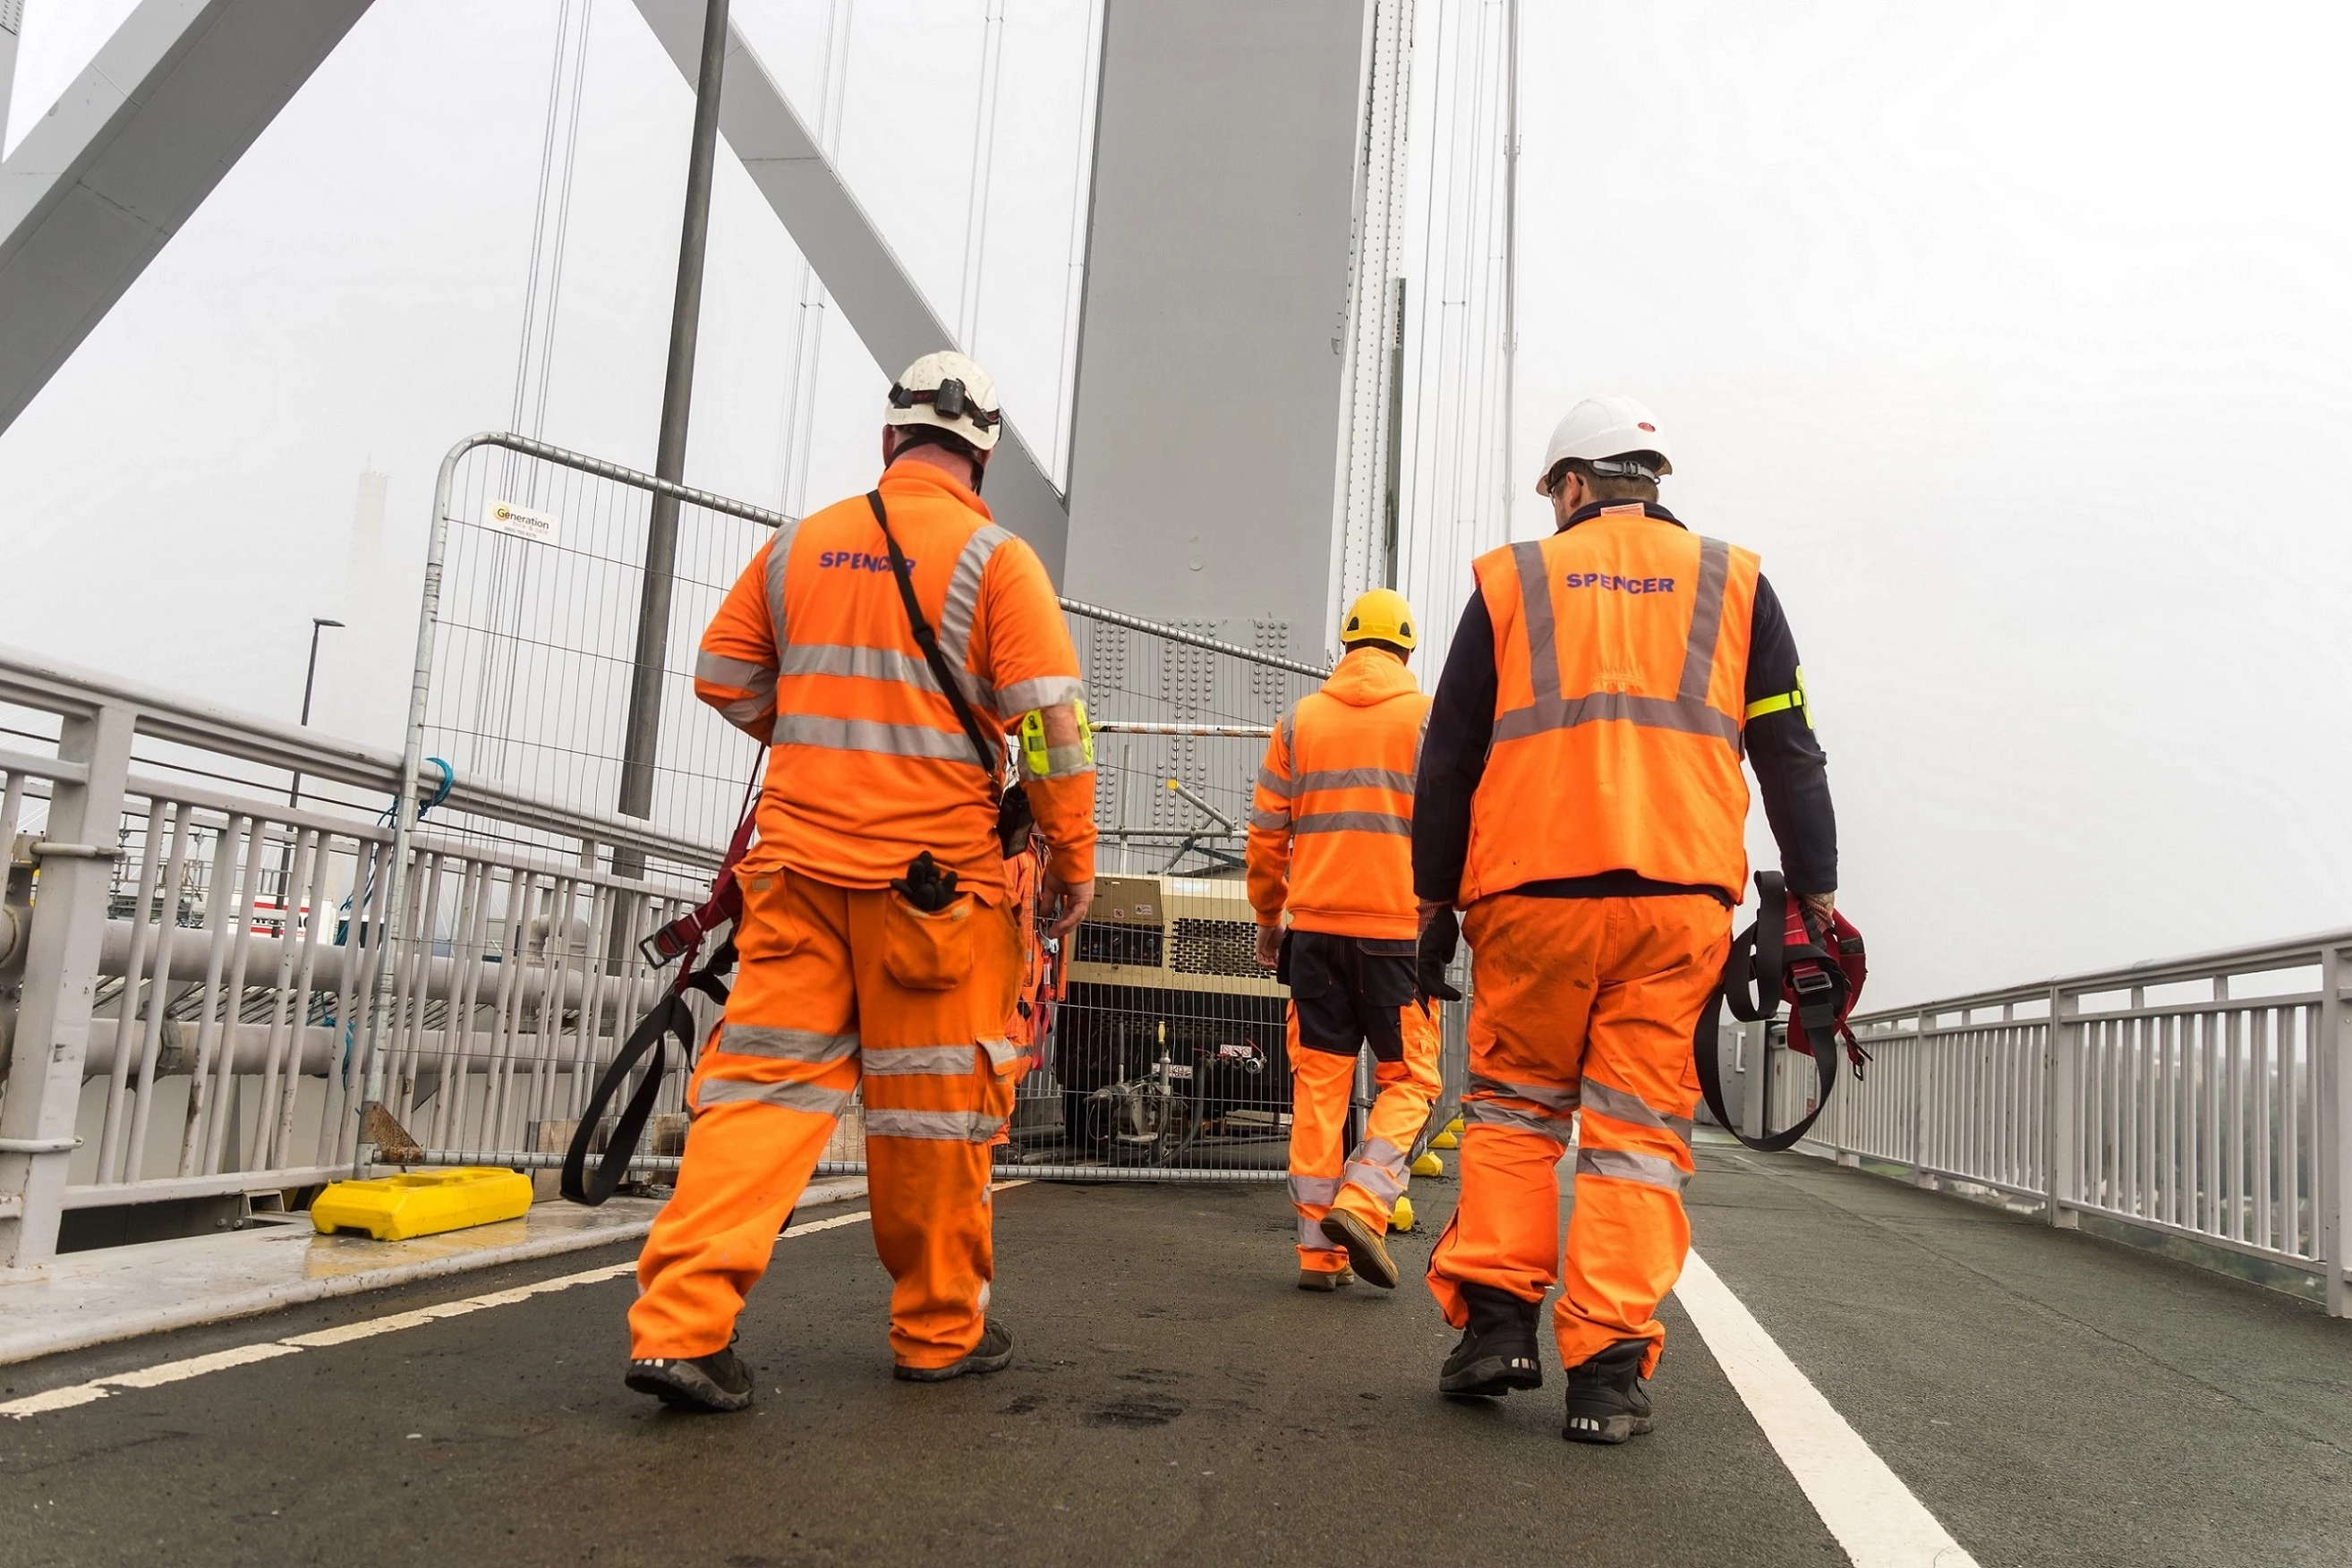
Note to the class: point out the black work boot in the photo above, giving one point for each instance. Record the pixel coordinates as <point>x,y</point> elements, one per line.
<point>993,1354</point>
<point>1497,1353</point>
<point>713,1382</point>
<point>1606,1401</point>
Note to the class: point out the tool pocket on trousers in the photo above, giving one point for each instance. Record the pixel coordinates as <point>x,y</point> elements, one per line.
<point>1309,968</point>
<point>766,930</point>
<point>925,950</point>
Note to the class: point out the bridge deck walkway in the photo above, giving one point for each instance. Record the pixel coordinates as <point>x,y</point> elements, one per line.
<point>2050,1397</point>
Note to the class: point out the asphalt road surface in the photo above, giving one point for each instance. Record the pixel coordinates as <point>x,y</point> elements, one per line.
<point>2050,1397</point>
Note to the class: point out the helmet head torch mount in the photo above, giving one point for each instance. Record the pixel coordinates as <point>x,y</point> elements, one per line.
<point>949,392</point>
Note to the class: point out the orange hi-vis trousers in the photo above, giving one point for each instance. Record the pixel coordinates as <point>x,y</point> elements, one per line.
<point>836,983</point>
<point>1368,1182</point>
<point>1587,1003</point>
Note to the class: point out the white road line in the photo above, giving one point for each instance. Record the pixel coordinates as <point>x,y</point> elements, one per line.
<point>391,1322</point>
<point>367,1328</point>
<point>1875,1518</point>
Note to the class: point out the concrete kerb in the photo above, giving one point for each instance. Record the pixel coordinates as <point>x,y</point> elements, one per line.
<point>119,1293</point>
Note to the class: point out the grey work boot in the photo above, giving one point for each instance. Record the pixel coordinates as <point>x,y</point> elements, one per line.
<point>993,1354</point>
<point>1497,1353</point>
<point>1606,1401</point>
<point>712,1384</point>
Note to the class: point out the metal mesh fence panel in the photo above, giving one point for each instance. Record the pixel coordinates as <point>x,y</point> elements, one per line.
<point>534,640</point>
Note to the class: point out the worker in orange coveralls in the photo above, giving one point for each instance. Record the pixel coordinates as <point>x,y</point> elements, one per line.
<point>1581,796</point>
<point>878,943</point>
<point>1330,846</point>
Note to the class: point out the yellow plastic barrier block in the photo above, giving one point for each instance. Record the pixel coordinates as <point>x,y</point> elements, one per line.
<point>1402,1218</point>
<point>1428,1165</point>
<point>422,1203</point>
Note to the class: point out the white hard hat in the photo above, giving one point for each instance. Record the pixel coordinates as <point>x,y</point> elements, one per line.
<point>1600,428</point>
<point>952,392</point>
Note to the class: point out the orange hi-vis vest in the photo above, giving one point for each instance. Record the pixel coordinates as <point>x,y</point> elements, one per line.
<point>1621,663</point>
<point>868,766</point>
<point>1330,834</point>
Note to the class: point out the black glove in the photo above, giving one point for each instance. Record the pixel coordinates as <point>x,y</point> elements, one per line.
<point>1438,939</point>
<point>925,886</point>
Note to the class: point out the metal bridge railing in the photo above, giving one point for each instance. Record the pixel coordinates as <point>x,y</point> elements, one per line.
<point>199,971</point>
<point>2206,1098</point>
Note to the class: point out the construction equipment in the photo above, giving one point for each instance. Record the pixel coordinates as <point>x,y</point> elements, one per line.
<point>1170,1032</point>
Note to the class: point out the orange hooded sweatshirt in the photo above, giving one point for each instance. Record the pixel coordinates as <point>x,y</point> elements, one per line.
<point>1330,834</point>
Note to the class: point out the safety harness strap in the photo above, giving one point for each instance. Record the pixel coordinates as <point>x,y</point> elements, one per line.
<point>1761,964</point>
<point>679,941</point>
<point>1013,817</point>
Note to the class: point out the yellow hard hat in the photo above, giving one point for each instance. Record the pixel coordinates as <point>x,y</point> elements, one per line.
<point>1379,615</point>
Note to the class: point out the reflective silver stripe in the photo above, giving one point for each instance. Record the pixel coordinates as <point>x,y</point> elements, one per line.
<point>1352,822</point>
<point>1558,1101</point>
<point>1618,1105</point>
<point>1687,711</point>
<point>938,1126</point>
<point>1355,778</point>
<point>1045,692</point>
<point>747,711</point>
<point>901,1060</point>
<point>1381,1184</point>
<point>962,607</point>
<point>779,552</point>
<point>1311,1237</point>
<point>1067,762</point>
<point>999,1052</point>
<point>1488,1113</point>
<point>1273,783</point>
<point>1706,620</point>
<point>1535,608</point>
<point>1314,1190</point>
<point>1271,821</point>
<point>871,735</point>
<point>1653,713</point>
<point>784,1045</point>
<point>1627,1166</point>
<point>1379,1168</point>
<point>739,673</point>
<point>858,663</point>
<point>813,1098</point>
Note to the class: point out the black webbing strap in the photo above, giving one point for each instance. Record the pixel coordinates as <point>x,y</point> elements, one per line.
<point>669,1016</point>
<point>929,641</point>
<point>1755,972</point>
<point>1013,817</point>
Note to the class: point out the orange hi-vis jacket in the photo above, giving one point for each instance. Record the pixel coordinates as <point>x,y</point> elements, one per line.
<point>868,766</point>
<point>1621,653</point>
<point>1330,834</point>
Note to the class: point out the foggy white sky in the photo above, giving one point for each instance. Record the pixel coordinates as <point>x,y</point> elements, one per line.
<point>2014,337</point>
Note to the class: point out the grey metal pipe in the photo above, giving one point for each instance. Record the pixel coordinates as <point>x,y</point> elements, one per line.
<point>644,731</point>
<point>535,1160</point>
<point>1192,639</point>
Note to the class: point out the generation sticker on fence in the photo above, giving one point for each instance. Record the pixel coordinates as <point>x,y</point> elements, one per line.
<point>541,527</point>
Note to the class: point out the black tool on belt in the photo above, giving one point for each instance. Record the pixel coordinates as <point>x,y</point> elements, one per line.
<point>1013,817</point>
<point>680,942</point>
<point>1821,978</point>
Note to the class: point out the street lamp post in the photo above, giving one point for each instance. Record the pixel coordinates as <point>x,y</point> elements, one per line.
<point>294,795</point>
